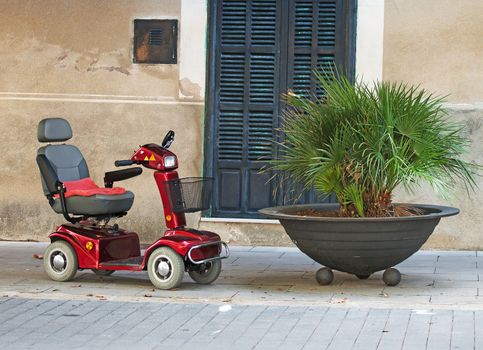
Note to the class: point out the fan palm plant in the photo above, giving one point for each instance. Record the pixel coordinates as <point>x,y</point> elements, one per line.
<point>360,142</point>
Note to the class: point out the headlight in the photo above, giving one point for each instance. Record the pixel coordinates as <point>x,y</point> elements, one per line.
<point>169,161</point>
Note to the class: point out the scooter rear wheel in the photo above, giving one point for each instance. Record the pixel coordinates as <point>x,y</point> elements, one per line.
<point>206,274</point>
<point>60,261</point>
<point>165,268</point>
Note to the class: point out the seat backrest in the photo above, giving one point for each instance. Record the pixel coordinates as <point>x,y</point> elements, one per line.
<point>66,160</point>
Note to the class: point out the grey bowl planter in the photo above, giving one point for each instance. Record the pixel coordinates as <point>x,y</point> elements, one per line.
<point>360,246</point>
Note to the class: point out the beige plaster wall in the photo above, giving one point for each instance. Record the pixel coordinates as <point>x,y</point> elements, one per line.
<point>248,233</point>
<point>81,47</point>
<point>436,43</point>
<point>463,231</point>
<point>74,59</point>
<point>103,132</point>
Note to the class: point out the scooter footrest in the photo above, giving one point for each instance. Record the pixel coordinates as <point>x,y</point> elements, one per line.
<point>134,261</point>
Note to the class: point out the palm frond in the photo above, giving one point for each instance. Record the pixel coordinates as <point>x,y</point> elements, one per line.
<point>360,142</point>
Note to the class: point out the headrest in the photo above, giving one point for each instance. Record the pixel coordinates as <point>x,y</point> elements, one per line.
<point>54,129</point>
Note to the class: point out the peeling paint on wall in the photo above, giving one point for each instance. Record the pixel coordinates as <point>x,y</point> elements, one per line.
<point>188,89</point>
<point>83,48</point>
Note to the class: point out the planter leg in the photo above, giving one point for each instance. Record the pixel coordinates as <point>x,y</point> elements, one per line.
<point>391,277</point>
<point>324,276</point>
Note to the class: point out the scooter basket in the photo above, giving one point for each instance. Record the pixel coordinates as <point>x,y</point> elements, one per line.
<point>189,194</point>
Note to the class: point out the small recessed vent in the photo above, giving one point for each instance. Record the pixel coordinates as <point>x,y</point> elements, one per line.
<point>155,37</point>
<point>155,41</point>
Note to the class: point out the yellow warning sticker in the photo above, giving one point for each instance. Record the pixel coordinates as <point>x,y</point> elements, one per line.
<point>89,245</point>
<point>146,159</point>
<point>152,157</point>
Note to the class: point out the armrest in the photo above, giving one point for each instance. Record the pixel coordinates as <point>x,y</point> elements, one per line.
<point>118,175</point>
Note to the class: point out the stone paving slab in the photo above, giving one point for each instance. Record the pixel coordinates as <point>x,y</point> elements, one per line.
<point>266,298</point>
<point>262,275</point>
<point>145,325</point>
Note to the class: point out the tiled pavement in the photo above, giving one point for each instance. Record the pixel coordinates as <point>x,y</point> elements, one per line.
<point>266,298</point>
<point>84,324</point>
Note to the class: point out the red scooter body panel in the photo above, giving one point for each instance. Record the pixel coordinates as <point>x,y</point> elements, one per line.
<point>183,239</point>
<point>84,259</point>
<point>98,247</point>
<point>152,156</point>
<point>95,245</point>
<point>173,220</point>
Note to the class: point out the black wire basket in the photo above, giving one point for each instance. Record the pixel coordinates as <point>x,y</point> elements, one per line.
<point>189,194</point>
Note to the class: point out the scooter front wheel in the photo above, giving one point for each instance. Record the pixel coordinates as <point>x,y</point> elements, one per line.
<point>60,261</point>
<point>207,273</point>
<point>165,268</point>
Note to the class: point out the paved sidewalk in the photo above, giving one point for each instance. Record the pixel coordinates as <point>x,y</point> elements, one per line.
<point>46,324</point>
<point>266,298</point>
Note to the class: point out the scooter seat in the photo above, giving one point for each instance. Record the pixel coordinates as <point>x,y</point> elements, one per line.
<point>67,165</point>
<point>96,205</point>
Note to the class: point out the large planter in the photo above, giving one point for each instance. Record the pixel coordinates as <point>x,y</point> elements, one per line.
<point>360,246</point>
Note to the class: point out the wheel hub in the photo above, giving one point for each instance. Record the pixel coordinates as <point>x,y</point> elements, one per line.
<point>205,268</point>
<point>163,268</point>
<point>58,262</point>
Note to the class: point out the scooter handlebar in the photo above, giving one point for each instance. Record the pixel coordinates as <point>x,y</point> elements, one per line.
<point>127,162</point>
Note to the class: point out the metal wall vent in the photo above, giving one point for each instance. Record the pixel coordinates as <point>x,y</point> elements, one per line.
<point>155,37</point>
<point>155,41</point>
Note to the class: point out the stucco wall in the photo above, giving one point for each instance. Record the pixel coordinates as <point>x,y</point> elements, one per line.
<point>436,43</point>
<point>74,59</point>
<point>465,230</point>
<point>81,47</point>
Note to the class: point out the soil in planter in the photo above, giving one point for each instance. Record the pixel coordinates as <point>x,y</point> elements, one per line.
<point>318,213</point>
<point>399,210</point>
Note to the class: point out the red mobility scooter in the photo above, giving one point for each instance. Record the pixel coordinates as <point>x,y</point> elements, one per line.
<point>87,241</point>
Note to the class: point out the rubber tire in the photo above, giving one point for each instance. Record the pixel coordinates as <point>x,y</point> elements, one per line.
<point>71,261</point>
<point>363,277</point>
<point>391,277</point>
<point>324,276</point>
<point>102,272</point>
<point>177,268</point>
<point>208,276</point>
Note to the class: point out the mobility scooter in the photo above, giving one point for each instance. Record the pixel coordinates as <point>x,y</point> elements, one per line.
<point>87,241</point>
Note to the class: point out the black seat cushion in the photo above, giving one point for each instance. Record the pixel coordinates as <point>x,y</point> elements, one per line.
<point>97,205</point>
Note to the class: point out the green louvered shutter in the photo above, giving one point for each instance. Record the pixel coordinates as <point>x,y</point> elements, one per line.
<point>258,50</point>
<point>318,37</point>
